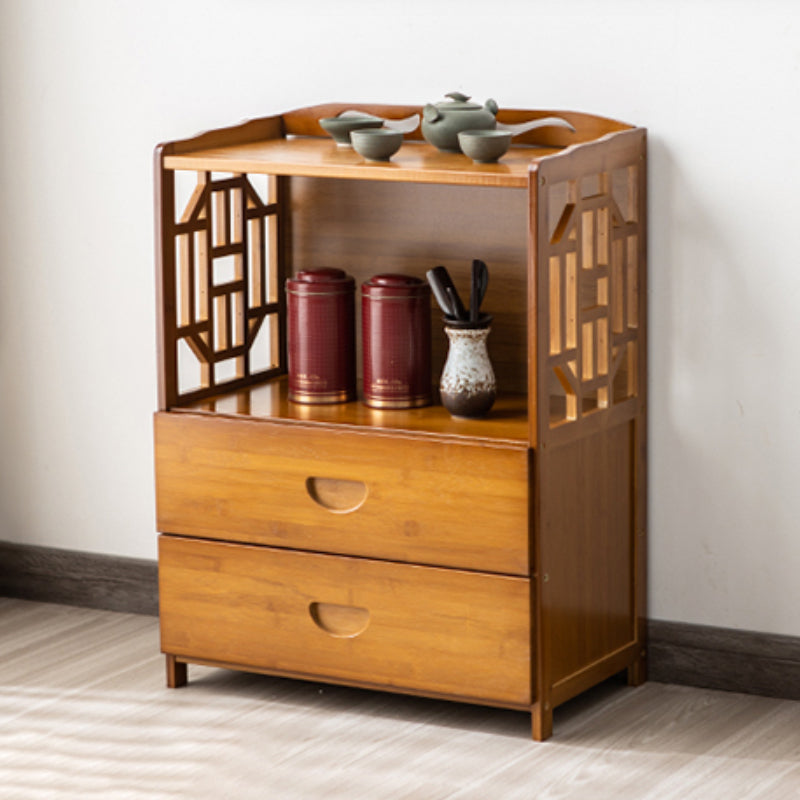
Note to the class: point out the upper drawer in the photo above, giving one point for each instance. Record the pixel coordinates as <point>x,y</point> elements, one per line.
<point>393,497</point>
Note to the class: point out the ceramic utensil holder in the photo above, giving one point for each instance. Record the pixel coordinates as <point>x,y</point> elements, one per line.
<point>468,386</point>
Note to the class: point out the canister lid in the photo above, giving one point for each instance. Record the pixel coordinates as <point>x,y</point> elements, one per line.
<point>395,285</point>
<point>320,279</point>
<point>391,279</point>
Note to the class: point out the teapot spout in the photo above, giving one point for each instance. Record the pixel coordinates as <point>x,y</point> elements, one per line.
<point>531,125</point>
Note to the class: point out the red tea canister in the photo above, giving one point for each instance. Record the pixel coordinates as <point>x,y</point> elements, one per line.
<point>321,336</point>
<point>396,341</point>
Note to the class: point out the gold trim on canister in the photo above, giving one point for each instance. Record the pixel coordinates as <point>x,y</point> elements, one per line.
<point>409,402</point>
<point>319,397</point>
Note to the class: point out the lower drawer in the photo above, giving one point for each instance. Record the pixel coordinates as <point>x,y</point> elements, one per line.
<point>425,629</point>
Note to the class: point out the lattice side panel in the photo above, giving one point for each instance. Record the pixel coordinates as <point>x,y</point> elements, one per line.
<point>226,287</point>
<point>588,271</point>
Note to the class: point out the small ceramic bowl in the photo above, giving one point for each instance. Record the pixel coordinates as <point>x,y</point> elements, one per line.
<point>340,128</point>
<point>376,144</point>
<point>484,147</point>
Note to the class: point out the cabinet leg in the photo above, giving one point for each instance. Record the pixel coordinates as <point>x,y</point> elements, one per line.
<point>541,721</point>
<point>176,673</point>
<point>637,672</point>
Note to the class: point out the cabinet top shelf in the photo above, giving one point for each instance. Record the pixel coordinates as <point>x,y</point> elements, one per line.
<point>293,144</point>
<point>415,162</point>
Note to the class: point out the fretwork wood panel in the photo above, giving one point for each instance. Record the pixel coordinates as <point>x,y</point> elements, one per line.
<point>590,263</point>
<point>220,266</point>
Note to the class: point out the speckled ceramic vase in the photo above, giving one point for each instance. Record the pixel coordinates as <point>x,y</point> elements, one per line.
<point>468,386</point>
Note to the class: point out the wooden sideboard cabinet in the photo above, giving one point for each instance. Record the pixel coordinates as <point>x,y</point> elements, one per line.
<point>498,561</point>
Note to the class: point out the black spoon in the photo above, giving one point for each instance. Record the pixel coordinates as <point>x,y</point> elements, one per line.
<point>445,292</point>
<point>480,281</point>
<point>439,292</point>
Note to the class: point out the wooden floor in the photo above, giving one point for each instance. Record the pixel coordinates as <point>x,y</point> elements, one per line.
<point>84,714</point>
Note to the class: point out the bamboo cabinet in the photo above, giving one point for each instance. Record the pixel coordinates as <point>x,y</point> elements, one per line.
<point>497,561</point>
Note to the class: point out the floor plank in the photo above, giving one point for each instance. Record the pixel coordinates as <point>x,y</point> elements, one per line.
<point>84,712</point>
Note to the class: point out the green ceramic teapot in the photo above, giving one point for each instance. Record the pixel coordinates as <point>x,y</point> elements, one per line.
<point>442,122</point>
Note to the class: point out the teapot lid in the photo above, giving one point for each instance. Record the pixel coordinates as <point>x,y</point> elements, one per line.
<point>394,279</point>
<point>457,102</point>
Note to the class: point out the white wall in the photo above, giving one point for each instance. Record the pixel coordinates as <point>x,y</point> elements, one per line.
<point>89,86</point>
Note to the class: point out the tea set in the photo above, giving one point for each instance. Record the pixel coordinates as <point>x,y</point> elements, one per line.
<point>455,125</point>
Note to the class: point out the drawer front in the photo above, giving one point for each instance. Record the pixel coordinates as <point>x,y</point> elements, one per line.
<point>422,629</point>
<point>409,499</point>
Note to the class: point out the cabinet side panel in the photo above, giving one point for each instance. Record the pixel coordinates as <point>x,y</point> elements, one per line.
<point>588,341</point>
<point>590,271</point>
<point>587,532</point>
<point>219,257</point>
<point>164,186</point>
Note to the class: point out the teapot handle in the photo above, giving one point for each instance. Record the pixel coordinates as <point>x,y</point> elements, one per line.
<point>491,105</point>
<point>430,113</point>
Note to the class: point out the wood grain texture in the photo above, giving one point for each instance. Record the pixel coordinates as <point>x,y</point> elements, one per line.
<point>166,300</point>
<point>588,305</point>
<point>506,425</point>
<point>84,712</point>
<point>218,262</point>
<point>442,631</point>
<point>261,146</point>
<point>410,229</point>
<point>177,675</point>
<point>249,131</point>
<point>587,550</point>
<point>415,162</point>
<point>305,122</point>
<point>679,653</point>
<point>587,388</point>
<point>451,504</point>
<point>585,564</point>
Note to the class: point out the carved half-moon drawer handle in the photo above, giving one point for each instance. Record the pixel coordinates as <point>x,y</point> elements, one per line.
<point>338,496</point>
<point>343,622</point>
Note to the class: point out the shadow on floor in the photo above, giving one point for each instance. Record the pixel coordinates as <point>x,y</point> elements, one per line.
<point>400,707</point>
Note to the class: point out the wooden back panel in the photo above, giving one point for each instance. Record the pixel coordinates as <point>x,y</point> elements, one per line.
<point>368,228</point>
